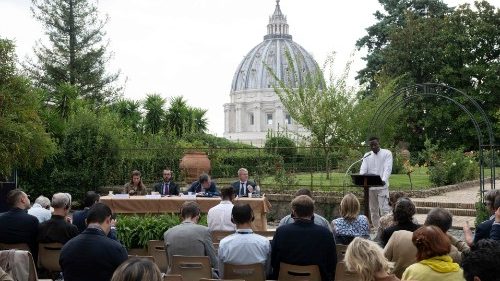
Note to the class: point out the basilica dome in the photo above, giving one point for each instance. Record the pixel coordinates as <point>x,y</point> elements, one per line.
<point>252,73</point>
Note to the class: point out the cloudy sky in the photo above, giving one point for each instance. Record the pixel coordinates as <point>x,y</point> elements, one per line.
<point>192,48</point>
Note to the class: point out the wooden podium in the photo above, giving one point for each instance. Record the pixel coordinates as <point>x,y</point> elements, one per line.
<point>366,181</point>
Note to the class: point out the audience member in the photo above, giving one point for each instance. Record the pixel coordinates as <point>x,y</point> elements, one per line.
<point>367,259</point>
<point>433,261</point>
<point>495,227</point>
<point>483,229</point>
<point>244,247</point>
<point>58,229</point>
<point>135,186</point>
<point>219,216</point>
<point>41,209</point>
<point>351,224</point>
<point>243,186</point>
<point>167,186</point>
<point>403,218</point>
<point>303,242</point>
<point>16,225</point>
<point>136,269</point>
<point>204,185</point>
<point>319,220</point>
<point>91,255</point>
<point>79,217</point>
<point>387,220</point>
<point>189,238</point>
<point>402,252</point>
<point>483,262</point>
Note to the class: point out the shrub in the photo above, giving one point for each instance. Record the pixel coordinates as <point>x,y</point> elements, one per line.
<point>282,146</point>
<point>225,163</point>
<point>452,167</point>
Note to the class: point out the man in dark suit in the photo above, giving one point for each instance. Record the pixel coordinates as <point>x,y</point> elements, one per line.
<point>91,255</point>
<point>58,229</point>
<point>303,242</point>
<point>483,229</point>
<point>16,225</point>
<point>204,185</point>
<point>243,186</point>
<point>167,186</point>
<point>79,217</point>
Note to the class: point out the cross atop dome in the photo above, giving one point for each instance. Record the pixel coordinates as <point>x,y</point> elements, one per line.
<point>277,27</point>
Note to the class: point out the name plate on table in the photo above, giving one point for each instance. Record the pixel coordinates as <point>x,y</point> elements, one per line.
<point>153,196</point>
<point>121,196</point>
<point>190,196</point>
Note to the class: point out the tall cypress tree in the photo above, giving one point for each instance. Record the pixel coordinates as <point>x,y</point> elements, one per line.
<point>75,53</point>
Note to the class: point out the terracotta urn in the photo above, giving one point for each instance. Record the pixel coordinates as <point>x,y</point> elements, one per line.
<point>193,164</point>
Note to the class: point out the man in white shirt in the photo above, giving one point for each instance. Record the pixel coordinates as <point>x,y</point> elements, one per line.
<point>219,217</point>
<point>378,162</point>
<point>41,209</point>
<point>244,247</point>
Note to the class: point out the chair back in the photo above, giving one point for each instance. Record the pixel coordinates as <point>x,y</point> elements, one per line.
<point>16,246</point>
<point>341,273</point>
<point>218,235</point>
<point>156,248</point>
<point>19,264</point>
<point>172,277</point>
<point>206,279</point>
<point>247,272</point>
<point>48,256</point>
<point>341,249</point>
<point>266,233</point>
<point>191,268</point>
<point>291,272</point>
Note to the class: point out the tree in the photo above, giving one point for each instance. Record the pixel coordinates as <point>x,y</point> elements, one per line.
<point>129,112</point>
<point>75,54</point>
<point>198,120</point>
<point>155,113</point>
<point>178,116</point>
<point>325,109</point>
<point>23,140</point>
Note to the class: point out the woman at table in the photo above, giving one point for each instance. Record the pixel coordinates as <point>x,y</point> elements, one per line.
<point>135,186</point>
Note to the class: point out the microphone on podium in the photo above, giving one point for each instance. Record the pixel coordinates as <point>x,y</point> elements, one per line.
<point>357,161</point>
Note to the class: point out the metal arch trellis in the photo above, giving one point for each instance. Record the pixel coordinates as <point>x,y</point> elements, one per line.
<point>440,90</point>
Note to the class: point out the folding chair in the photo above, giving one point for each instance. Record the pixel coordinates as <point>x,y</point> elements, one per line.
<point>156,248</point>
<point>219,235</point>
<point>16,246</point>
<point>341,273</point>
<point>172,277</point>
<point>290,272</point>
<point>341,249</point>
<point>48,256</point>
<point>191,268</point>
<point>247,272</point>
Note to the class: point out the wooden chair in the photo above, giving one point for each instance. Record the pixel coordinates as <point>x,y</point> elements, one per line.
<point>191,268</point>
<point>156,248</point>
<point>247,272</point>
<point>266,233</point>
<point>172,277</point>
<point>219,235</point>
<point>206,279</point>
<point>341,273</point>
<point>341,249</point>
<point>151,258</point>
<point>290,272</point>
<point>48,256</point>
<point>16,246</point>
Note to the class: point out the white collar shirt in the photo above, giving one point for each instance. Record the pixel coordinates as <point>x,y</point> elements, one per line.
<point>378,164</point>
<point>40,213</point>
<point>219,217</point>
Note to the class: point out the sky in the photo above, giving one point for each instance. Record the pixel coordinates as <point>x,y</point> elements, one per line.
<point>192,48</point>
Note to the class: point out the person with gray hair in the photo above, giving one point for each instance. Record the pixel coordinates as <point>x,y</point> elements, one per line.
<point>41,209</point>
<point>242,187</point>
<point>58,228</point>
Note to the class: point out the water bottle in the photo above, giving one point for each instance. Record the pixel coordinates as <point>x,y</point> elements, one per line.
<point>257,190</point>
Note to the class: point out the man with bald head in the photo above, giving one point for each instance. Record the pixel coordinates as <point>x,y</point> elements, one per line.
<point>16,225</point>
<point>58,228</point>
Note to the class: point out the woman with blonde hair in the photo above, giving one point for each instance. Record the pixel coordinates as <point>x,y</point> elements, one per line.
<point>367,259</point>
<point>351,224</point>
<point>135,186</point>
<point>137,269</point>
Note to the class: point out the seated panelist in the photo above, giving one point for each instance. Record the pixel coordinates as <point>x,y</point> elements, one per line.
<point>204,185</point>
<point>135,186</point>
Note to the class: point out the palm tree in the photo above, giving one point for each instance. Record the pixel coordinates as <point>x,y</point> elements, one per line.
<point>129,113</point>
<point>199,121</point>
<point>155,113</point>
<point>178,116</point>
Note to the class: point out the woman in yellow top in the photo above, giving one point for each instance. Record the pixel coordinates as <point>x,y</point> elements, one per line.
<point>135,186</point>
<point>433,261</point>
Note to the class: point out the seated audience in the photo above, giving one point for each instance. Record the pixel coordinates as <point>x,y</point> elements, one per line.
<point>135,186</point>
<point>483,262</point>
<point>189,238</point>
<point>402,252</point>
<point>387,220</point>
<point>91,255</point>
<point>319,220</point>
<point>403,218</point>
<point>204,185</point>
<point>367,259</point>
<point>58,229</point>
<point>243,247</point>
<point>303,242</point>
<point>351,224</point>
<point>79,217</point>
<point>495,227</point>
<point>135,269</point>
<point>219,216</point>
<point>41,209</point>
<point>483,229</point>
<point>16,226</point>
<point>433,262</point>
<point>167,186</point>
<point>243,186</point>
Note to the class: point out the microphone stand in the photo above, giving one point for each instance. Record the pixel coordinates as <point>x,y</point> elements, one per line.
<point>348,169</point>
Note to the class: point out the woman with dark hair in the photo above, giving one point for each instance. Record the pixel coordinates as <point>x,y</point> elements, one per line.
<point>135,186</point>
<point>137,269</point>
<point>403,219</point>
<point>433,261</point>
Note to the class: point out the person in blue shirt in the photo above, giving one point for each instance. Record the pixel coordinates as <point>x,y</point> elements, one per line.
<point>204,186</point>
